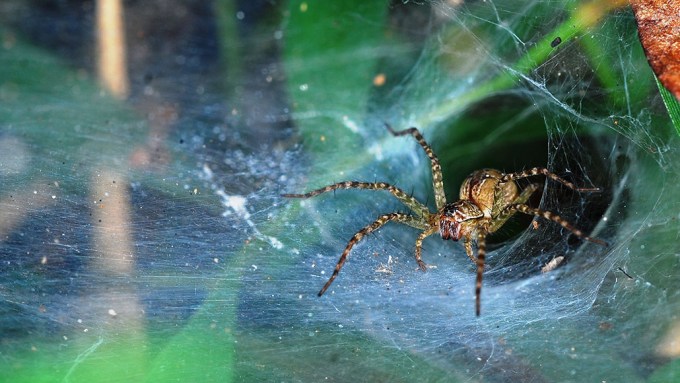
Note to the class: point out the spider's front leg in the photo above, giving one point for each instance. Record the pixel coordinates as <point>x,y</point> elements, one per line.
<point>419,246</point>
<point>437,183</point>
<point>418,208</point>
<point>383,219</point>
<point>468,250</point>
<point>481,256</point>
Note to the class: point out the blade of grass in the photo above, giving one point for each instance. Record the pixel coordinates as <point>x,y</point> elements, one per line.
<point>671,105</point>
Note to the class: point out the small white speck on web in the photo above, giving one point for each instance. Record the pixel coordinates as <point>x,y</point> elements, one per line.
<point>552,265</point>
<point>112,312</point>
<point>207,172</point>
<point>238,204</point>
<point>376,151</point>
<point>350,124</point>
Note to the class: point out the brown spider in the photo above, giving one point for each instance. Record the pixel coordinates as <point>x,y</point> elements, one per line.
<point>488,198</point>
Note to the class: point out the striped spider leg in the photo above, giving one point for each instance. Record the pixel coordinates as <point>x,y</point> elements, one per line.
<point>488,198</point>
<point>420,219</point>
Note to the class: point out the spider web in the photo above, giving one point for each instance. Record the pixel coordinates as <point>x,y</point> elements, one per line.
<point>572,321</point>
<point>224,273</point>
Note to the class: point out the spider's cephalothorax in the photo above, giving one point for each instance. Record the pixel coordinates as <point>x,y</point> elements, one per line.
<point>459,219</point>
<point>488,198</point>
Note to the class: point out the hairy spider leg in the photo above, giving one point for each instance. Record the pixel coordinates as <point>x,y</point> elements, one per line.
<point>555,218</point>
<point>481,256</point>
<point>419,245</point>
<point>383,219</point>
<point>504,215</point>
<point>418,208</point>
<point>468,250</point>
<point>536,171</point>
<point>496,223</point>
<point>437,183</point>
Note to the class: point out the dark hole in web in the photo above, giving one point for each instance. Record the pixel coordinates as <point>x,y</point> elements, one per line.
<point>588,166</point>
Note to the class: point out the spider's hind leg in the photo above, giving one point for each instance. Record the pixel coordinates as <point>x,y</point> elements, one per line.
<point>544,171</point>
<point>505,214</point>
<point>522,208</point>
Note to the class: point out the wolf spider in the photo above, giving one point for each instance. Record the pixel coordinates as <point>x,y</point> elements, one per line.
<point>488,198</point>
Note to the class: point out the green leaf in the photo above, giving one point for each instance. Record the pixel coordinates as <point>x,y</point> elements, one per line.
<point>330,56</point>
<point>672,105</point>
<point>668,373</point>
<point>203,351</point>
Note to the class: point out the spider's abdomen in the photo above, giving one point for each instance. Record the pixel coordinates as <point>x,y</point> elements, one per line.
<point>483,187</point>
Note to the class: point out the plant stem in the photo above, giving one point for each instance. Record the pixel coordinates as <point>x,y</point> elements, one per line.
<point>584,17</point>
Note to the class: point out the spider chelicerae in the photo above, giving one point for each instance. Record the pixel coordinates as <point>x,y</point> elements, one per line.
<point>488,198</point>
